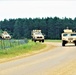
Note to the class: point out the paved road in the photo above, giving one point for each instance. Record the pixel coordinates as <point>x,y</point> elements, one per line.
<point>59,61</point>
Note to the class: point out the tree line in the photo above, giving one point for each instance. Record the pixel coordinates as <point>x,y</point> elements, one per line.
<point>51,27</point>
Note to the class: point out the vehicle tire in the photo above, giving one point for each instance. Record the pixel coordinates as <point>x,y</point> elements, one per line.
<point>75,43</point>
<point>63,43</point>
<point>39,40</point>
<point>34,40</point>
<point>42,40</point>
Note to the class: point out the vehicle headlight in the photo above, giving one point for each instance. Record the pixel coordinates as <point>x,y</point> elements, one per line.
<point>65,39</point>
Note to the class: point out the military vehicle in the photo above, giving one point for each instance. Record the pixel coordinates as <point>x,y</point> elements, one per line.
<point>5,35</point>
<point>37,36</point>
<point>68,37</point>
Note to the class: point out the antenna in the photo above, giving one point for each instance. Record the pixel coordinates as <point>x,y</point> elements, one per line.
<point>67,27</point>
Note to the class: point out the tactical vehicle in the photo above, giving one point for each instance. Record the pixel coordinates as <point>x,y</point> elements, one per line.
<point>68,37</point>
<point>37,36</point>
<point>5,35</point>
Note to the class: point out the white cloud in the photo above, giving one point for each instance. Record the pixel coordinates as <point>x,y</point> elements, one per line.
<point>22,9</point>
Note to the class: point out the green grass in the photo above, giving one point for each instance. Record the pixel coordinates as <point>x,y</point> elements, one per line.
<point>11,43</point>
<point>21,49</point>
<point>52,40</point>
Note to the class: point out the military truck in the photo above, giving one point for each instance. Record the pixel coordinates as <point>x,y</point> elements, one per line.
<point>5,35</point>
<point>68,37</point>
<point>37,36</point>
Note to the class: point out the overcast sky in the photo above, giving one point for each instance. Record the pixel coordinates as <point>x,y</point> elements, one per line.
<point>37,8</point>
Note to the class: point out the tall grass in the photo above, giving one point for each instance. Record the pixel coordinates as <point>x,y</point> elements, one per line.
<point>21,49</point>
<point>11,43</point>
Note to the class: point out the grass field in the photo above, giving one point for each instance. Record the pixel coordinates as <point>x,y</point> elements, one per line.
<point>11,43</point>
<point>53,40</point>
<point>21,49</point>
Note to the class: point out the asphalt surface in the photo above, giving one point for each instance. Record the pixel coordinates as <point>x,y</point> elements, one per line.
<point>58,61</point>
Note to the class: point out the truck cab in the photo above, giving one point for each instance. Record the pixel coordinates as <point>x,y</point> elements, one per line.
<point>5,35</point>
<point>37,36</point>
<point>68,37</point>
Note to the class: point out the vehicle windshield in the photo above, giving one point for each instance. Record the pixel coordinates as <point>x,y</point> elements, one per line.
<point>65,34</point>
<point>73,34</point>
<point>38,33</point>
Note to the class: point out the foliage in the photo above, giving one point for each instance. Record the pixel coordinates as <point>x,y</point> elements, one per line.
<point>51,27</point>
<point>4,44</point>
<point>21,49</point>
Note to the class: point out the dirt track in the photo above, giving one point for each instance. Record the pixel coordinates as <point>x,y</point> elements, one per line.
<point>67,67</point>
<point>58,61</point>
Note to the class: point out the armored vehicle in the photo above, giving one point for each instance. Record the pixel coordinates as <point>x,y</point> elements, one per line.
<point>37,36</point>
<point>68,37</point>
<point>5,35</point>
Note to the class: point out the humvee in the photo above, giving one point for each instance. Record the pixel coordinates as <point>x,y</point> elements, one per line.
<point>5,35</point>
<point>37,36</point>
<point>68,37</point>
